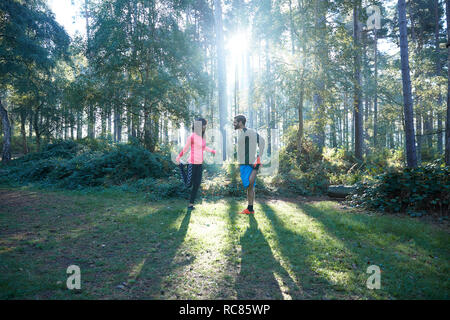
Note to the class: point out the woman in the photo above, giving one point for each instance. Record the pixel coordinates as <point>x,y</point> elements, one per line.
<point>197,144</point>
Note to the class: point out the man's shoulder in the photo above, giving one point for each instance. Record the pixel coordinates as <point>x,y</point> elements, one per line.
<point>249,131</point>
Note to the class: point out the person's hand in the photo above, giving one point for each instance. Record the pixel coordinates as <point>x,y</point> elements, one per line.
<point>257,162</point>
<point>177,160</point>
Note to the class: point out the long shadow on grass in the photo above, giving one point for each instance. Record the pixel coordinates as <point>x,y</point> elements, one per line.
<point>405,277</point>
<point>230,269</point>
<point>259,269</point>
<point>362,248</point>
<point>135,245</point>
<point>160,264</point>
<point>139,254</point>
<point>296,249</point>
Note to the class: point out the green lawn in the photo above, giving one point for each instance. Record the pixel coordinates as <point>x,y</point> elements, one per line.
<point>289,249</point>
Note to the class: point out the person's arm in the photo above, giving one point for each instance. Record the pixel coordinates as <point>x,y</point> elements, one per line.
<point>210,150</point>
<point>261,145</point>
<point>185,149</point>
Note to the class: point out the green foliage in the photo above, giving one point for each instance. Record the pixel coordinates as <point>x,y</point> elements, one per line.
<point>163,64</point>
<point>223,181</point>
<point>102,144</point>
<point>157,188</point>
<point>31,45</point>
<point>304,174</point>
<point>17,145</point>
<point>345,169</point>
<point>74,165</point>
<point>64,149</point>
<point>413,191</point>
<point>30,39</point>
<point>289,155</point>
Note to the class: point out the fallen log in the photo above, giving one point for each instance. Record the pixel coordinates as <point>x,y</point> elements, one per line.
<point>339,191</point>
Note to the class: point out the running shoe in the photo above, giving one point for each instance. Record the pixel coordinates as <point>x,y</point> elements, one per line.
<point>246,211</point>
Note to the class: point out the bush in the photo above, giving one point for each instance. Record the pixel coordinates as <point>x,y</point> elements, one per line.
<point>17,145</point>
<point>64,149</point>
<point>73,165</point>
<point>289,156</point>
<point>304,174</point>
<point>157,188</point>
<point>223,181</point>
<point>422,189</point>
<point>102,144</point>
<point>312,182</point>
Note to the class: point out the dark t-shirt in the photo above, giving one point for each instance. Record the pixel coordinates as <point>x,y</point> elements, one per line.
<point>247,141</point>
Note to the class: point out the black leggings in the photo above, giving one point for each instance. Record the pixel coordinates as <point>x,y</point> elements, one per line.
<point>193,177</point>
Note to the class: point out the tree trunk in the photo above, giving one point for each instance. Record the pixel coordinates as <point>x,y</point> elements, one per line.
<point>222,76</point>
<point>109,116</point>
<point>128,123</point>
<point>134,125</point>
<point>428,128</point>
<point>365,94</point>
<point>37,130</point>
<point>447,120</point>
<point>300,120</point>
<point>147,130</point>
<point>357,111</point>
<point>166,129</point>
<point>291,27</point>
<point>116,123</point>
<point>236,90</point>
<point>321,55</point>
<point>66,122</point>
<point>103,122</point>
<point>438,73</point>
<point>333,132</point>
<point>340,128</point>
<point>90,109</point>
<point>419,137</point>
<point>88,34</point>
<point>391,141</point>
<point>6,152</point>
<point>119,124</point>
<point>339,191</point>
<point>268,102</point>
<point>30,125</point>
<point>79,125</point>
<point>91,122</point>
<point>155,132</point>
<point>23,120</point>
<point>346,121</point>
<point>250,91</point>
<point>375,100</point>
<point>411,156</point>
<point>72,124</point>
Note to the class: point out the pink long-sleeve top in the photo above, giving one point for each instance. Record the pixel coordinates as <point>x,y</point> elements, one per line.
<point>197,145</point>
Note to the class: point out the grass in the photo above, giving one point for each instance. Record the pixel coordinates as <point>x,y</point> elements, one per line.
<point>129,248</point>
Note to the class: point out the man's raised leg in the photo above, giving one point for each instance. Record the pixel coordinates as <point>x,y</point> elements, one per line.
<point>251,189</point>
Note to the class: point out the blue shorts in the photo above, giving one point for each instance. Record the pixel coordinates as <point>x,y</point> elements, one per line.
<point>246,170</point>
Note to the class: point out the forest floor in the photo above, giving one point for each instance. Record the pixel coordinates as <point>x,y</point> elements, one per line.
<point>129,248</point>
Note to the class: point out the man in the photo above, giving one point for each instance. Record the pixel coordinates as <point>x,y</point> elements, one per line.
<point>248,158</point>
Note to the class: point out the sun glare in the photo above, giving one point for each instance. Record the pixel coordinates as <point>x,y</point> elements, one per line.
<point>237,45</point>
